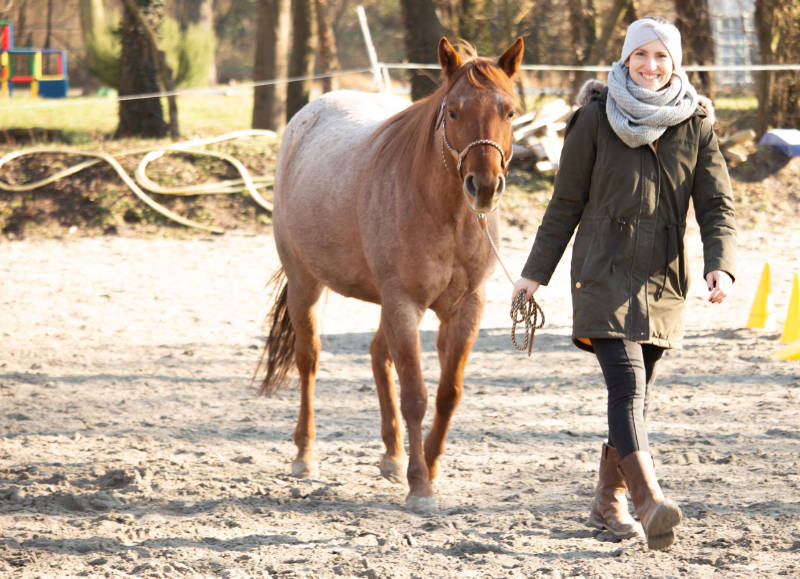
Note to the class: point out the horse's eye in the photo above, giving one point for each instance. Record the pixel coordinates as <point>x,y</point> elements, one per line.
<point>452,115</point>
<point>510,115</point>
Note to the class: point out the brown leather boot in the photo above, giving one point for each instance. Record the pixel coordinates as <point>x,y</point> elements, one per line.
<point>610,507</point>
<point>657,514</point>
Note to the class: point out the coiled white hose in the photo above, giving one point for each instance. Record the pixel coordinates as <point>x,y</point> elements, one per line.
<point>142,182</point>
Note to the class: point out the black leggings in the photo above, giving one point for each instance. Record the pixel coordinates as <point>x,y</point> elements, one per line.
<point>629,370</point>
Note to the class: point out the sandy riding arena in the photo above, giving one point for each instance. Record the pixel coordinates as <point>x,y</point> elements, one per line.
<point>131,444</point>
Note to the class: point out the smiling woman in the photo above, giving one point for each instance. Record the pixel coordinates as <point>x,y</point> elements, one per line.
<point>635,155</point>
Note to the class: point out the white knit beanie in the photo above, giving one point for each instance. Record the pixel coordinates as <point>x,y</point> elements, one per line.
<point>646,30</point>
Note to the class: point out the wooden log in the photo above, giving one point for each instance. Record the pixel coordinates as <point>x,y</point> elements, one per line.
<point>737,138</point>
<point>733,156</point>
<point>554,112</point>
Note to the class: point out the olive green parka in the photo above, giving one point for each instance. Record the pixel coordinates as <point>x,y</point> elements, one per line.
<point>629,268</point>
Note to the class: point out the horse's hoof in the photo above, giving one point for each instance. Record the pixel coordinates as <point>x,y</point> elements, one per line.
<point>302,469</point>
<point>422,505</point>
<point>392,469</point>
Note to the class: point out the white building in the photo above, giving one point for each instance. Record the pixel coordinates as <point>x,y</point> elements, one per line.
<point>735,39</point>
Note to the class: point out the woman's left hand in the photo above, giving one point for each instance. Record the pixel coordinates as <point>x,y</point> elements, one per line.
<point>719,284</point>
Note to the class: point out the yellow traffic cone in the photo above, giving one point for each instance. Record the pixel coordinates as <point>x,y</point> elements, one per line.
<point>790,352</point>
<point>791,328</point>
<point>759,310</point>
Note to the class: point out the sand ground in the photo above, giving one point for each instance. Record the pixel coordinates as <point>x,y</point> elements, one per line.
<point>131,445</point>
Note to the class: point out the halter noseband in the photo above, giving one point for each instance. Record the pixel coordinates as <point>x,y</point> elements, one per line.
<point>462,154</point>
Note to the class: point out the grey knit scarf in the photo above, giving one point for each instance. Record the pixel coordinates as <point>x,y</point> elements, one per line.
<point>640,116</point>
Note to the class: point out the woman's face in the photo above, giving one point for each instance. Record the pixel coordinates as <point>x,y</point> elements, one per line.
<point>650,65</point>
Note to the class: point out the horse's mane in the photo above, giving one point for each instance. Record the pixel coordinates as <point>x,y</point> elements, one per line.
<point>407,137</point>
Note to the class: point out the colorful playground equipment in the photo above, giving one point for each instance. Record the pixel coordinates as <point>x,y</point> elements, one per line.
<point>44,70</point>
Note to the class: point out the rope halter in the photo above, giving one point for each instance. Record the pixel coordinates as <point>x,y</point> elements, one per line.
<point>460,155</point>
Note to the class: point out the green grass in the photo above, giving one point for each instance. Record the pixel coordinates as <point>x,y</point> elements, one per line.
<point>85,119</point>
<point>737,112</point>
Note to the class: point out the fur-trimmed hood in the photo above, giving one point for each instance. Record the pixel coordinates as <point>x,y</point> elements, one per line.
<point>596,90</point>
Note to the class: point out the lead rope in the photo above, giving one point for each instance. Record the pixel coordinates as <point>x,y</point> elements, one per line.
<point>522,311</point>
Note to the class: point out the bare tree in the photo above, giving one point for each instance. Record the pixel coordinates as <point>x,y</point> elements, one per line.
<point>422,33</point>
<point>695,25</point>
<point>471,26</point>
<point>140,63</point>
<point>778,28</point>
<point>271,63</point>
<point>301,60</point>
<point>328,61</point>
<point>21,27</point>
<point>49,24</point>
<point>589,48</point>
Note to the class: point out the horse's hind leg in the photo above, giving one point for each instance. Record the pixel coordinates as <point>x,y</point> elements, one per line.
<point>392,463</point>
<point>457,334</point>
<point>301,300</point>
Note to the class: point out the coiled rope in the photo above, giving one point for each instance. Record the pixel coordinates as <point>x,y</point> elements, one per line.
<point>531,314</point>
<point>524,311</point>
<point>142,182</point>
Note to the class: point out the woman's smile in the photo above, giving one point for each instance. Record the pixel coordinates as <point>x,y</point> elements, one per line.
<point>651,65</point>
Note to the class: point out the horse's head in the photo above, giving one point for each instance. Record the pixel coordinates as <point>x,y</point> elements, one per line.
<point>475,122</point>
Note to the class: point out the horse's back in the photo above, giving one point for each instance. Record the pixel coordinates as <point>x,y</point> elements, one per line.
<point>321,171</point>
<point>334,126</point>
<point>322,144</point>
<point>354,107</point>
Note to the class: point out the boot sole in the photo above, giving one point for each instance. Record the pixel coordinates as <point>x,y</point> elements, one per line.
<point>659,528</point>
<point>599,523</point>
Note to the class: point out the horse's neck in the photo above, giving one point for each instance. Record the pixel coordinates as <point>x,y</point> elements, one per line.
<point>441,200</point>
<point>430,197</point>
<point>440,188</point>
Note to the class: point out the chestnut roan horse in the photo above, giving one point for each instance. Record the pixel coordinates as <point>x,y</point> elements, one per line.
<point>383,208</point>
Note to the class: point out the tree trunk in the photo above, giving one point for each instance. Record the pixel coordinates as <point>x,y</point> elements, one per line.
<point>583,35</point>
<point>778,28</point>
<point>139,72</point>
<point>597,47</point>
<point>422,33</point>
<point>469,22</point>
<point>21,26</point>
<point>271,63</point>
<point>328,61</point>
<point>49,24</point>
<point>301,61</point>
<point>698,43</point>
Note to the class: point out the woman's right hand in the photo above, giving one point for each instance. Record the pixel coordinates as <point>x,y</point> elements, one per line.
<point>528,285</point>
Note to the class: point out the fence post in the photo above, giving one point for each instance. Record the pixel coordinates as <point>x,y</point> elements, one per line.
<point>373,57</point>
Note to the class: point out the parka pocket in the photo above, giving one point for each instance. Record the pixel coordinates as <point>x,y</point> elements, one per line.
<point>602,250</point>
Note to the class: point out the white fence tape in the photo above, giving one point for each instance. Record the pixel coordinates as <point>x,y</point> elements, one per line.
<point>382,67</point>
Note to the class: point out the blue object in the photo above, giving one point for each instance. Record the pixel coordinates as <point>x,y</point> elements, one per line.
<point>53,89</point>
<point>787,140</point>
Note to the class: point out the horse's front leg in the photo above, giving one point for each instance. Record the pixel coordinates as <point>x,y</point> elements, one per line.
<point>457,333</point>
<point>392,463</point>
<point>400,319</point>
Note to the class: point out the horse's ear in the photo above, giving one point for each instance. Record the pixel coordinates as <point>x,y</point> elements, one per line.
<point>448,57</point>
<point>510,60</point>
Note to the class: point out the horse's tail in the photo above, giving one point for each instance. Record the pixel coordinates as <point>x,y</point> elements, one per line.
<point>277,358</point>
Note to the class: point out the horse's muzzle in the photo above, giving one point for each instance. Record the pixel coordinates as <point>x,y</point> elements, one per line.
<point>483,192</point>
